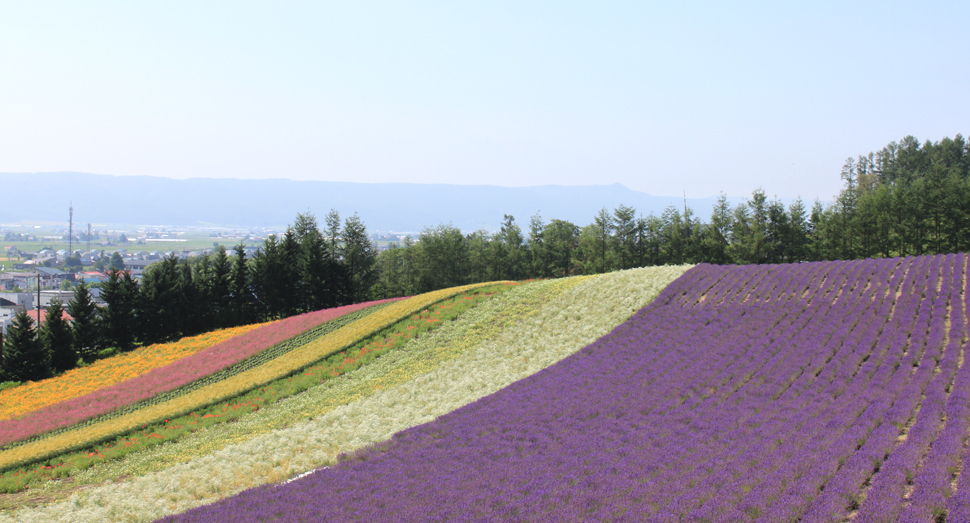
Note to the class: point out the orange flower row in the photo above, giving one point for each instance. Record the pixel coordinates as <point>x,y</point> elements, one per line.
<point>30,396</point>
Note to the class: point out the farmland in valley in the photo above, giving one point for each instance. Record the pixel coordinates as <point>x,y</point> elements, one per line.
<point>828,391</point>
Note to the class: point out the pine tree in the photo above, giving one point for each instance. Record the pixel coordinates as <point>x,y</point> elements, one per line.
<point>159,308</point>
<point>55,334</point>
<point>118,317</point>
<point>219,292</point>
<point>84,326</point>
<point>241,289</point>
<point>358,259</point>
<point>269,277</point>
<point>25,358</point>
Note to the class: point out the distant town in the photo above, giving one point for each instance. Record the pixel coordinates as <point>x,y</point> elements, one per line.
<point>43,263</point>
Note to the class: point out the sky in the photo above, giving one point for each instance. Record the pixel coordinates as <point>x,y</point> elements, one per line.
<point>665,98</point>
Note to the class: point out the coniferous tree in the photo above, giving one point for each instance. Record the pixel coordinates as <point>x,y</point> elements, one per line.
<point>218,288</point>
<point>314,268</point>
<point>241,288</point>
<point>291,289</point>
<point>358,256</point>
<point>537,248</point>
<point>84,325</point>
<point>513,266</point>
<point>119,315</point>
<point>715,240</point>
<point>158,304</point>
<point>190,317</point>
<point>25,358</point>
<point>624,237</point>
<point>55,335</point>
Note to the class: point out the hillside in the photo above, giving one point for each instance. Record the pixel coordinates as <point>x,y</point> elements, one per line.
<point>809,392</point>
<point>830,391</point>
<point>507,337</point>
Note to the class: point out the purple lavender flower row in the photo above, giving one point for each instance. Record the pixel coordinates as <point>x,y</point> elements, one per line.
<point>756,393</point>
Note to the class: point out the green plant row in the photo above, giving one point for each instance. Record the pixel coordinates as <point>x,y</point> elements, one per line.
<point>211,394</point>
<point>253,361</point>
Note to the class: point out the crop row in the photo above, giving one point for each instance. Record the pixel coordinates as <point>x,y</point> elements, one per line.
<point>218,392</point>
<point>502,340</point>
<point>33,395</point>
<point>115,405</point>
<point>101,403</point>
<point>806,392</point>
<point>173,429</point>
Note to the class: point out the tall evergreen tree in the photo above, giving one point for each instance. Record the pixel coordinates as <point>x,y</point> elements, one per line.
<point>159,308</point>
<point>716,238</point>
<point>25,358</point>
<point>84,325</point>
<point>537,248</point>
<point>119,316</point>
<point>241,288</point>
<point>190,318</point>
<point>269,277</point>
<point>513,265</point>
<point>55,335</point>
<point>314,271</point>
<point>358,259</point>
<point>218,288</point>
<point>624,237</point>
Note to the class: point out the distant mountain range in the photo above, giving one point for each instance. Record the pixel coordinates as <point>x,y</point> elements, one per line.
<point>403,207</point>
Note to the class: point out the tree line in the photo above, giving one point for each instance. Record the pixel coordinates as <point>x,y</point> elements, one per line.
<point>906,199</point>
<point>909,198</point>
<point>304,269</point>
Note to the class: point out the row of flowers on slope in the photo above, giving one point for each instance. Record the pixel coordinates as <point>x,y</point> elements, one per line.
<point>417,357</point>
<point>170,377</point>
<point>170,431</point>
<point>560,327</point>
<point>805,393</point>
<point>218,392</point>
<point>33,395</point>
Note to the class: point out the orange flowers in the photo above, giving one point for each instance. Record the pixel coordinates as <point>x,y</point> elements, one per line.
<point>78,382</point>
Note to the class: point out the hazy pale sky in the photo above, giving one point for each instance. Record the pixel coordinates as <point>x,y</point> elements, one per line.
<point>664,98</point>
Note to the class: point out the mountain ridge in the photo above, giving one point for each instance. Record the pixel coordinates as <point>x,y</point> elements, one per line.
<point>228,202</point>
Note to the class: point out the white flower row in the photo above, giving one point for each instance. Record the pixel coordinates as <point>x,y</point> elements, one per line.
<point>460,363</point>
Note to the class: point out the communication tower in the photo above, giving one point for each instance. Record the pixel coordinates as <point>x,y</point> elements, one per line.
<point>70,233</point>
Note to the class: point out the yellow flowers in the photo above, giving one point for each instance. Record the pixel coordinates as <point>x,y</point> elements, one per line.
<point>78,382</point>
<point>212,394</point>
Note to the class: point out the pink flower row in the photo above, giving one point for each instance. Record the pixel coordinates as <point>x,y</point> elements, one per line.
<point>169,377</point>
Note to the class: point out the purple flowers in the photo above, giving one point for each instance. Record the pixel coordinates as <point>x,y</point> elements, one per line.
<point>755,393</point>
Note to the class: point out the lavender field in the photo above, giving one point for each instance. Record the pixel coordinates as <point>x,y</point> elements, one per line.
<point>815,392</point>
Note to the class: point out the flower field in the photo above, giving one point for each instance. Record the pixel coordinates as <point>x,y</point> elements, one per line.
<point>509,337</point>
<point>233,347</point>
<point>831,391</point>
<point>813,392</point>
<point>77,382</point>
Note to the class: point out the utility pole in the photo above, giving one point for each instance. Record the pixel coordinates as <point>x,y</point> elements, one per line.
<point>38,304</point>
<point>70,233</point>
<point>89,238</point>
